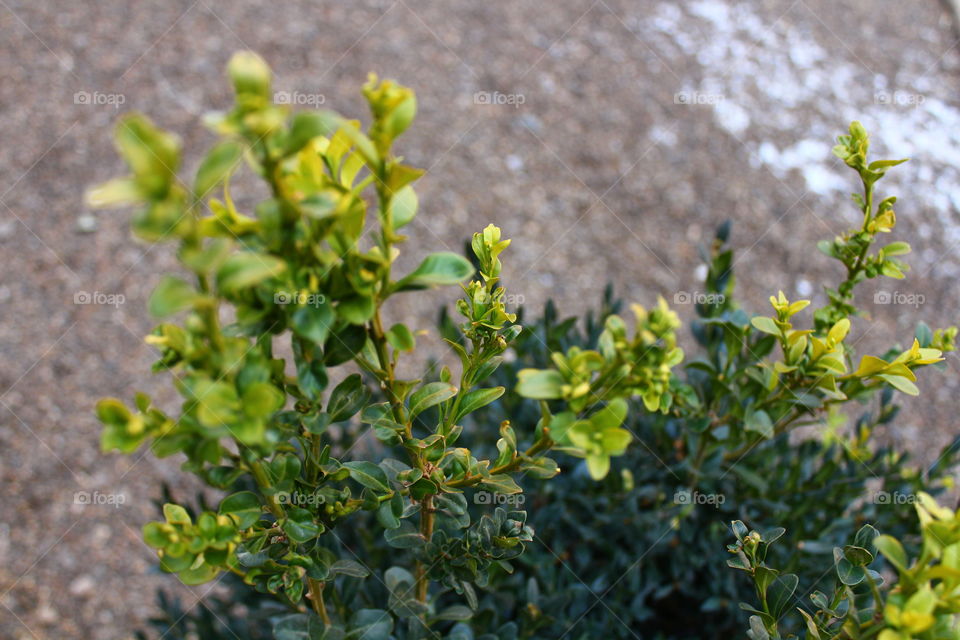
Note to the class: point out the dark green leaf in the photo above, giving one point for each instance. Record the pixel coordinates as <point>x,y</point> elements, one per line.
<point>759,422</point>
<point>848,573</point>
<point>476,399</point>
<point>313,322</point>
<point>371,624</point>
<point>780,593</point>
<point>369,475</point>
<point>739,529</point>
<point>349,568</point>
<point>757,630</point>
<point>857,556</point>
<point>356,310</point>
<point>405,536</point>
<point>386,514</point>
<point>344,344</point>
<point>429,395</point>
<point>457,612</point>
<point>300,526</point>
<point>379,415</point>
<point>312,378</point>
<point>244,506</point>
<point>437,269</point>
<point>347,398</point>
<point>500,483</point>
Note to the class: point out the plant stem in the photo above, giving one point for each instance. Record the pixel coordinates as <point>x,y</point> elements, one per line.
<point>316,598</point>
<point>389,375</point>
<point>778,430</point>
<point>877,599</point>
<point>465,385</point>
<point>698,460</point>
<point>263,481</point>
<point>315,587</point>
<point>426,530</point>
<point>356,502</point>
<point>846,287</point>
<point>541,445</point>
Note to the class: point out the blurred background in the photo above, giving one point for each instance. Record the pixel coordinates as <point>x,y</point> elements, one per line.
<point>608,138</point>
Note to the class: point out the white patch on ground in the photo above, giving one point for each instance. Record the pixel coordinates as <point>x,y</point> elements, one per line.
<point>776,83</point>
<point>661,136</point>
<point>804,156</point>
<point>732,117</point>
<point>514,163</point>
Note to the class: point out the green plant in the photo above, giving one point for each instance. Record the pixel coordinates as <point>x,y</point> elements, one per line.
<point>924,603</point>
<point>651,558</point>
<point>298,269</point>
<point>312,511</point>
<point>638,546</point>
<point>639,551</point>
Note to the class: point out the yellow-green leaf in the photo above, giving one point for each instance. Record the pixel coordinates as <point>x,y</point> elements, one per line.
<point>869,366</point>
<point>765,324</point>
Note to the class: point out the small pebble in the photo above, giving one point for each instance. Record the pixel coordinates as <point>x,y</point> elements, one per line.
<point>82,585</point>
<point>47,614</point>
<point>86,223</point>
<point>7,229</point>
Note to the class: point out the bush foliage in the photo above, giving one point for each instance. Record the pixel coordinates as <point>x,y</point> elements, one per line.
<point>559,480</point>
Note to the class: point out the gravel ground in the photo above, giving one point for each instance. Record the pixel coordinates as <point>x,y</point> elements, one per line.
<point>607,138</point>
